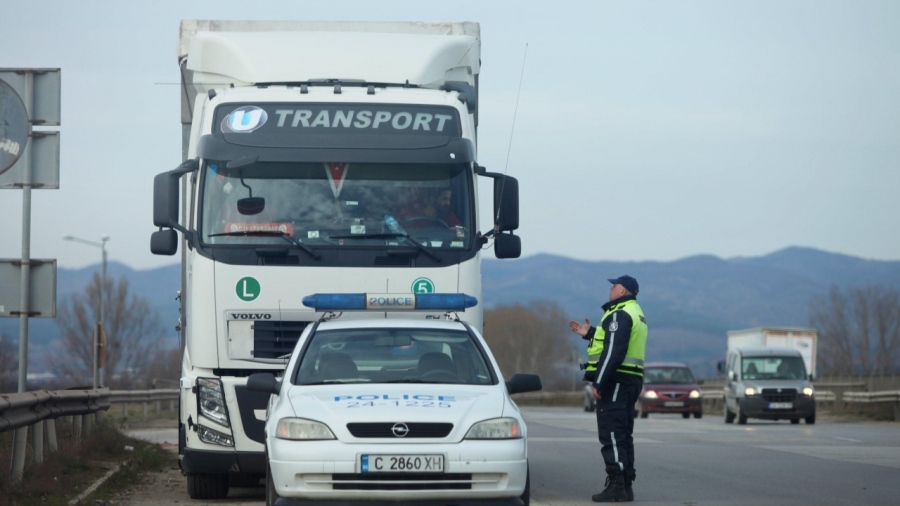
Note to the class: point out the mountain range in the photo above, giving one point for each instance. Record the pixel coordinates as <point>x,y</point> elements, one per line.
<point>690,303</point>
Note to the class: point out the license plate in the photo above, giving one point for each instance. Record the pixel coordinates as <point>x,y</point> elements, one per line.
<point>673,404</point>
<point>781,405</point>
<point>402,463</point>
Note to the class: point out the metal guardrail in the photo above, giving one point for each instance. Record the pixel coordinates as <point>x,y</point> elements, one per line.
<point>26,408</point>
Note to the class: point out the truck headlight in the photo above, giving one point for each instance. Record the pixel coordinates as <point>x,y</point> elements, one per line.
<point>695,394</point>
<point>215,437</point>
<point>750,391</point>
<point>301,429</point>
<point>496,428</point>
<point>211,400</point>
<point>650,394</point>
<point>808,391</point>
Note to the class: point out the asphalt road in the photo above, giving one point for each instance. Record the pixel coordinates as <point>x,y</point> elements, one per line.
<point>679,461</point>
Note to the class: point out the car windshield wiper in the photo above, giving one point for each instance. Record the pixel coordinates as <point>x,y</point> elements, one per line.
<point>391,235</point>
<point>271,233</point>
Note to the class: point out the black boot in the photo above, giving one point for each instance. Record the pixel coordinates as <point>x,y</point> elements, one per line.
<point>629,494</point>
<point>614,491</point>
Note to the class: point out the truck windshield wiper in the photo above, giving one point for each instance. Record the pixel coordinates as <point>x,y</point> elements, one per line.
<point>271,233</point>
<point>391,235</point>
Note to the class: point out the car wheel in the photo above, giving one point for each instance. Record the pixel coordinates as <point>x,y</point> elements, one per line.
<point>526,494</point>
<point>729,416</point>
<point>207,486</point>
<point>741,417</point>
<point>644,414</point>
<point>698,414</point>
<point>811,419</point>
<point>795,421</point>
<point>685,415</point>
<point>271,494</point>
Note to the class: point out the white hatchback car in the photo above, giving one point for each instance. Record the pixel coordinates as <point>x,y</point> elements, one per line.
<point>394,410</point>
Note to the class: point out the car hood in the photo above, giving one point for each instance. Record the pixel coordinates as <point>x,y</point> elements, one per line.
<point>340,404</point>
<point>671,387</point>
<point>782,384</point>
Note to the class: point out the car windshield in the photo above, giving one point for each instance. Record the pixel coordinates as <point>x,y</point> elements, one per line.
<point>773,368</point>
<point>337,204</point>
<point>392,355</point>
<point>668,375</point>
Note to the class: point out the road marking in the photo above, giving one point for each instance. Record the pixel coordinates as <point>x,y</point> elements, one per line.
<point>878,456</point>
<point>849,439</point>
<point>581,440</point>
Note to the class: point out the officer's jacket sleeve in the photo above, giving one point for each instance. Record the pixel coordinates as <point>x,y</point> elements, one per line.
<point>590,334</point>
<point>615,346</point>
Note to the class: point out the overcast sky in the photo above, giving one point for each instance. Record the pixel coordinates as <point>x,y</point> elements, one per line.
<point>644,130</point>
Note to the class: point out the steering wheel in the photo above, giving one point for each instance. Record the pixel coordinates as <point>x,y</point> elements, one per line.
<point>426,220</point>
<point>441,375</point>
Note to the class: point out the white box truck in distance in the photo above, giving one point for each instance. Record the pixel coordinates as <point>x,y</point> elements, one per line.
<point>320,157</point>
<point>768,375</point>
<point>801,339</point>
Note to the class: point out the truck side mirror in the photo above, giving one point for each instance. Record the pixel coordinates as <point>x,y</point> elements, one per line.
<point>507,246</point>
<point>506,202</point>
<point>166,195</point>
<point>164,242</point>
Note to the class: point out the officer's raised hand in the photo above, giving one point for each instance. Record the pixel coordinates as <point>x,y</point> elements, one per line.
<point>580,328</point>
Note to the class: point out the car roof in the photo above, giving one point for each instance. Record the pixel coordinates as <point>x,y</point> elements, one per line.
<point>649,365</point>
<point>389,323</point>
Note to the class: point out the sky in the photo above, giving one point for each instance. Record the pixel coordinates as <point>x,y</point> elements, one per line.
<point>638,130</point>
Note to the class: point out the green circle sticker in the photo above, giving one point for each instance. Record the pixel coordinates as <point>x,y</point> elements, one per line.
<point>423,285</point>
<point>247,289</point>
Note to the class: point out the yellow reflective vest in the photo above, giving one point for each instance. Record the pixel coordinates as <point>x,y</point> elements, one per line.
<point>637,342</point>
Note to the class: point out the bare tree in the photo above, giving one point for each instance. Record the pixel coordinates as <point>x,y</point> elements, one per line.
<point>133,331</point>
<point>859,330</point>
<point>531,338</point>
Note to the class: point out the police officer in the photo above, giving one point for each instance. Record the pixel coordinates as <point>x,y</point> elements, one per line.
<point>615,369</point>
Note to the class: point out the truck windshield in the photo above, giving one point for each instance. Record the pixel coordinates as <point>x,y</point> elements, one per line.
<point>337,204</point>
<point>773,368</point>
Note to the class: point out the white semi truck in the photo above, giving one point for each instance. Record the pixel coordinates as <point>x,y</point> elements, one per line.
<point>319,157</point>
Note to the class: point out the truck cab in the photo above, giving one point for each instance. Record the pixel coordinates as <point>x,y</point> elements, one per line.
<point>769,384</point>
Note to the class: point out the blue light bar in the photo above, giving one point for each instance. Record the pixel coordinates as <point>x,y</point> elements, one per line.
<point>389,301</point>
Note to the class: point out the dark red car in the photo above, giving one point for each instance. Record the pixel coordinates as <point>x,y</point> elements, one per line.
<point>669,387</point>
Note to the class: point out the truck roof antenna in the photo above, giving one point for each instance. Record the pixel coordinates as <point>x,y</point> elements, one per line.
<point>515,113</point>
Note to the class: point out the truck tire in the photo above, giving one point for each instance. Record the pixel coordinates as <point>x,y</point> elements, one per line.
<point>207,486</point>
<point>729,416</point>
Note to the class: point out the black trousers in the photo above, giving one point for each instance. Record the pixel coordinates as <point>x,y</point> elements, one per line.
<point>615,426</point>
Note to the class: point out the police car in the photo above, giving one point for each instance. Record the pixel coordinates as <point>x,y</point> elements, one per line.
<point>394,410</point>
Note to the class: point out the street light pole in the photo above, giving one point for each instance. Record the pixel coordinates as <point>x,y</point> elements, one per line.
<point>102,246</point>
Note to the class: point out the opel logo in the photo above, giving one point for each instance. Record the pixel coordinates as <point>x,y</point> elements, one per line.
<point>400,430</point>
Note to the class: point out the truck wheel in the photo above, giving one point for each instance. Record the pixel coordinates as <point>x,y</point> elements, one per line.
<point>811,419</point>
<point>729,416</point>
<point>207,486</point>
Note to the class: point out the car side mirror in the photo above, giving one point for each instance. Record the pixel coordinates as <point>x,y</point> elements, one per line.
<point>731,375</point>
<point>700,382</point>
<point>264,382</point>
<point>521,383</point>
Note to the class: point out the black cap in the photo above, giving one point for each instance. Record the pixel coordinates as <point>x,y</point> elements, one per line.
<point>628,282</point>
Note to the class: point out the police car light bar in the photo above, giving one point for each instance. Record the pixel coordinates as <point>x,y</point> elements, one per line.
<point>389,301</point>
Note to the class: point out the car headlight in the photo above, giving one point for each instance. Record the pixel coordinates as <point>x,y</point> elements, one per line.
<point>750,391</point>
<point>650,394</point>
<point>302,429</point>
<point>497,428</point>
<point>211,400</point>
<point>695,394</point>
<point>808,391</point>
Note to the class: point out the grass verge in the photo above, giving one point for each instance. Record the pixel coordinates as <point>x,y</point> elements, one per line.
<point>65,474</point>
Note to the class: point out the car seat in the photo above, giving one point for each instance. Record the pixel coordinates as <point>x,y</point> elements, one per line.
<point>337,366</point>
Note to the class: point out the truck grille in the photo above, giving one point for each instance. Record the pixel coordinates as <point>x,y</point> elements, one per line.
<point>410,481</point>
<point>386,429</point>
<point>779,394</point>
<point>275,339</point>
